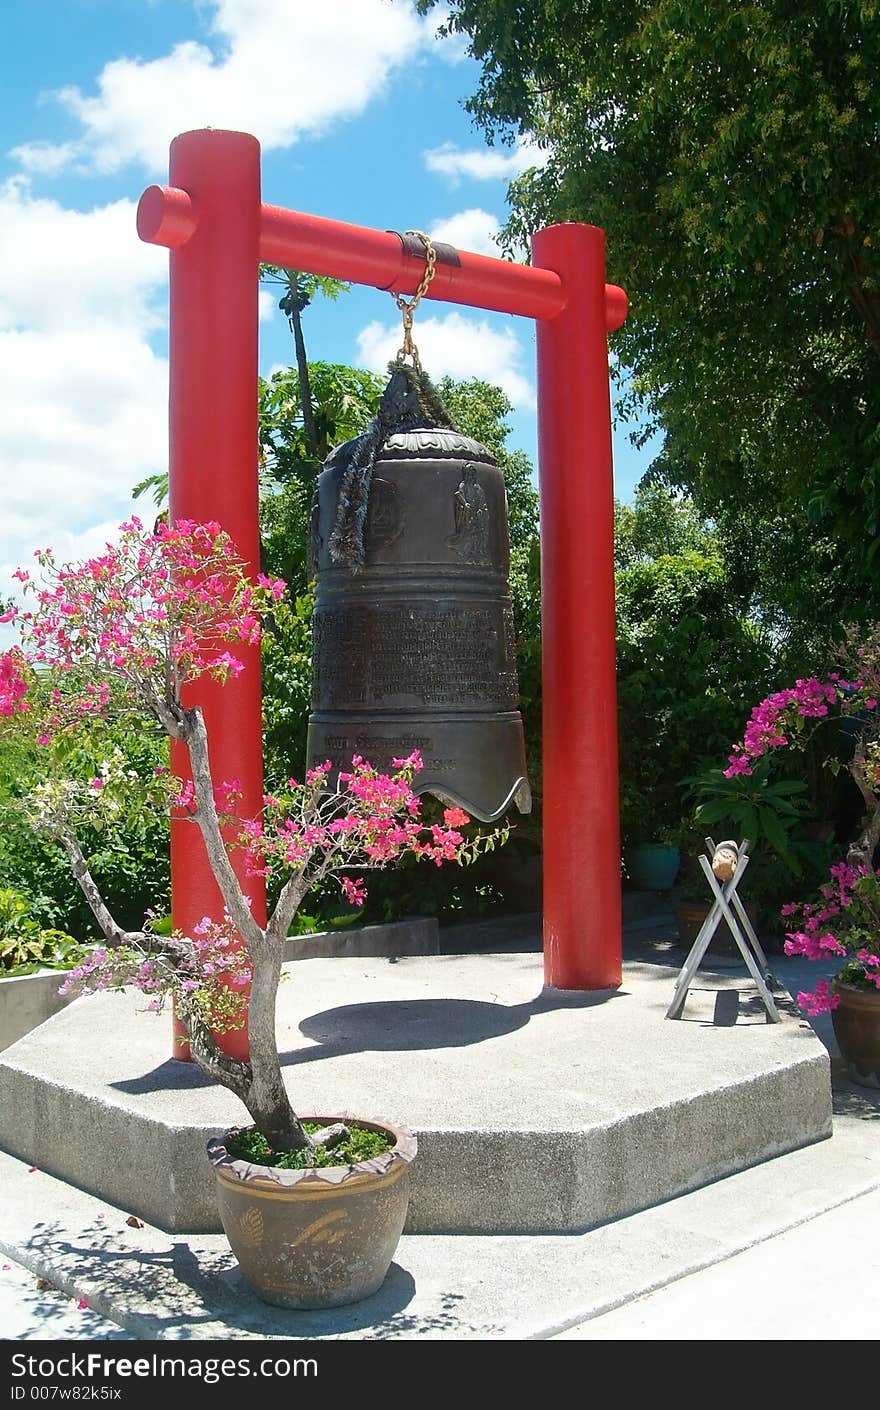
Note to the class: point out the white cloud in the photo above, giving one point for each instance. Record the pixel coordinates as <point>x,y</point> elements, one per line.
<point>62,268</point>
<point>484,163</point>
<point>456,345</point>
<point>83,397</point>
<point>456,46</point>
<point>69,548</point>
<point>83,416</point>
<point>475,230</point>
<point>277,68</point>
<point>46,158</point>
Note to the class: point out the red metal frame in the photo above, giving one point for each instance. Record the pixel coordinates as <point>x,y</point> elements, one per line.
<point>212,219</point>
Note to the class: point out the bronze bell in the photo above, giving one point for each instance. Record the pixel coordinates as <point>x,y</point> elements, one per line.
<point>415,649</point>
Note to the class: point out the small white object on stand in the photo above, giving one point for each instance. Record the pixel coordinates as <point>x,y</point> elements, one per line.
<point>726,906</point>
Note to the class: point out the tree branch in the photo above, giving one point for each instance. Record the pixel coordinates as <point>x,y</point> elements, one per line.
<point>112,932</point>
<point>216,1064</point>
<point>305,390</point>
<point>195,737</point>
<point>292,892</point>
<point>861,851</point>
<point>172,718</point>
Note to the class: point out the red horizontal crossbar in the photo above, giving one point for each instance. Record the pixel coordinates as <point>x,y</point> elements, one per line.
<point>315,245</point>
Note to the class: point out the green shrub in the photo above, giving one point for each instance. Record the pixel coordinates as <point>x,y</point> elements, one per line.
<point>25,945</point>
<point>129,856</point>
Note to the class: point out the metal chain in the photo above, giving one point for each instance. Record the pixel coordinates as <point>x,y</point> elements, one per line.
<point>408,306</point>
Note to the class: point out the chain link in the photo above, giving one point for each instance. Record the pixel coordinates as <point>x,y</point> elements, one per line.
<point>408,306</point>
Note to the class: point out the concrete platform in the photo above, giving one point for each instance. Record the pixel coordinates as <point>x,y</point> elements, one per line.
<point>697,1251</point>
<point>537,1111</point>
<point>27,1000</point>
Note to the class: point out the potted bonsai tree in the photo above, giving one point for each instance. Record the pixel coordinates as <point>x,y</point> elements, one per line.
<point>123,634</point>
<point>843,923</point>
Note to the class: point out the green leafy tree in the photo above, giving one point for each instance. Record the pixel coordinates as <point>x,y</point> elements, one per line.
<point>128,854</point>
<point>731,153</point>
<point>298,290</point>
<point>689,656</point>
<point>342,401</point>
<point>656,524</point>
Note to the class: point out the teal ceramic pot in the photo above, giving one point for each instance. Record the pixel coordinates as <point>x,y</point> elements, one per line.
<point>652,867</point>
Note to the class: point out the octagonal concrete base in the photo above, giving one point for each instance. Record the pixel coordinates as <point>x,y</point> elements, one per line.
<point>536,1110</point>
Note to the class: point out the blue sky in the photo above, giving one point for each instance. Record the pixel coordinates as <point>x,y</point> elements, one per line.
<point>359,110</point>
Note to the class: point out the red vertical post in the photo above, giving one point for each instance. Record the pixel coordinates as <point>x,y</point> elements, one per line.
<point>582,886</point>
<point>213,469</point>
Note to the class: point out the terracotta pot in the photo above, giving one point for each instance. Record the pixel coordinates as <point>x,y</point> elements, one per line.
<point>856,1023</point>
<point>318,1237</point>
<point>689,917</point>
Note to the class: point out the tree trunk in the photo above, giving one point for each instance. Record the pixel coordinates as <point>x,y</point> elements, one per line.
<point>305,386</point>
<point>267,1099</point>
<point>861,851</point>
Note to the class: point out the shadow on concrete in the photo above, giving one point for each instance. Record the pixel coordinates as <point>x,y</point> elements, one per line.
<point>390,1026</point>
<point>731,1007</point>
<point>169,1076</point>
<point>149,1291</point>
<point>849,1099</point>
<point>35,1308</point>
<point>405,1025</point>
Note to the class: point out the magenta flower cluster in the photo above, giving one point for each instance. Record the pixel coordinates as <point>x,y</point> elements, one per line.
<point>13,685</point>
<point>153,611</point>
<point>845,923</point>
<point>770,722</point>
<point>370,819</point>
<point>209,968</point>
<point>842,924</point>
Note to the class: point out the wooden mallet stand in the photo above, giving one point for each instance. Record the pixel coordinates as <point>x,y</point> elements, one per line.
<point>724,866</point>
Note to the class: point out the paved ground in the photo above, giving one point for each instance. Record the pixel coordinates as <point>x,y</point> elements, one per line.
<point>789,1250</point>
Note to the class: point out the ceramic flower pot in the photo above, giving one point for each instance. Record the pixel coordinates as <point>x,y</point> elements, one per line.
<point>856,1022</point>
<point>318,1237</point>
<point>652,866</point>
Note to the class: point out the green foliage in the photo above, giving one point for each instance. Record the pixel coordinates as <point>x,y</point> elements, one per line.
<point>287,685</point>
<point>413,890</point>
<point>750,806</point>
<point>26,945</point>
<point>689,665</point>
<point>127,851</point>
<point>730,153</point>
<point>658,523</point>
<point>154,485</point>
<point>362,1144</point>
<point>297,289</point>
<point>343,400</point>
